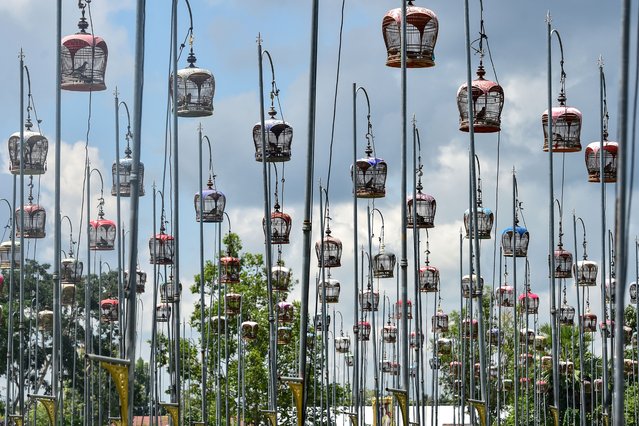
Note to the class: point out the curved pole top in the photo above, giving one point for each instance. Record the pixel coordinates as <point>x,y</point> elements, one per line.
<point>8,205</point>
<point>101,179</point>
<point>228,219</point>
<point>368,101</point>
<point>208,141</point>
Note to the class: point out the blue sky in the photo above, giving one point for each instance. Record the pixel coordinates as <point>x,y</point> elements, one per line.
<point>225,34</point>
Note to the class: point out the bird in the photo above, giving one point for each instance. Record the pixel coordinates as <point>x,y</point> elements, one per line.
<point>79,71</point>
<point>481,114</point>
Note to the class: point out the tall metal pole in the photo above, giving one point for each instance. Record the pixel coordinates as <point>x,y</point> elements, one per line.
<point>551,228</point>
<point>87,303</point>
<point>267,242</point>
<point>621,214</point>
<point>57,322</point>
<point>582,390</point>
<point>138,84</point>
<point>515,326</point>
<point>176,216</point>
<point>21,290</point>
<point>118,211</point>
<point>9,367</point>
<point>355,266</point>
<point>202,305</point>
<point>308,201</point>
<point>403,263</point>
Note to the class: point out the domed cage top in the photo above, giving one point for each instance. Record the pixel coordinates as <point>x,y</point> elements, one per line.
<point>162,249</point>
<point>384,265</point>
<point>444,346</point>
<point>126,166</point>
<point>140,282</point>
<point>249,330</point>
<point>428,279</point>
<point>233,303</point>
<point>36,148</point>
<point>342,344</point>
<point>485,220</point>
<point>470,329</point>
<point>214,203</point>
<point>6,255</point>
<point>67,294</point>
<point>163,312</point>
<point>518,247</point>
<point>488,102</point>
<point>566,129</point>
<point>421,36</point>
<point>586,273</point>
<point>83,63</point>
<point>35,219</point>
<point>425,207</point>
<point>505,296</point>
<point>332,255</point>
<point>470,287</point>
<point>611,289</point>
<point>230,270</point>
<point>369,300</point>
<point>279,138</point>
<point>109,310</point>
<point>71,271</point>
<point>168,293</point>
<point>563,263</point>
<point>540,342</point>
<point>280,227</point>
<point>370,177</point>
<point>529,303</point>
<point>218,324</point>
<point>195,91</point>
<point>329,291</point>
<point>593,161</point>
<point>280,278</point>
<point>102,233</point>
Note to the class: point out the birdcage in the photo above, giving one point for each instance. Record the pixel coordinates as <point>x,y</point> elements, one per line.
<point>109,310</point>
<point>422,28</point>
<point>230,268</point>
<point>586,273</point>
<point>328,291</point>
<point>123,170</point>
<point>279,138</point>
<point>485,220</point>
<point>593,161</point>
<point>566,129</point>
<point>428,279</point>
<point>423,208</point>
<point>162,249</point>
<point>36,147</point>
<point>214,203</point>
<point>488,102</point>
<point>35,219</point>
<point>195,90</point>
<point>517,245</point>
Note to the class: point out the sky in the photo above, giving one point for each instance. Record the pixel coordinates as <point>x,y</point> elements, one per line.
<point>225,36</point>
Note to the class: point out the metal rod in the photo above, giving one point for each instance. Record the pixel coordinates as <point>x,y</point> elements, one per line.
<point>87,301</point>
<point>202,304</point>
<point>21,289</point>
<point>355,266</point>
<point>138,84</point>
<point>308,202</point>
<point>582,390</point>
<point>515,327</point>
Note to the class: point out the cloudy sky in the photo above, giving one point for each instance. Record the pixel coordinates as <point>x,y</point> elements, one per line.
<point>225,43</point>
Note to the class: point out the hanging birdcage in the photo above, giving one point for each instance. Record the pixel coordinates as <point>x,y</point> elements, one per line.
<point>218,324</point>
<point>563,263</point>
<point>425,207</point>
<point>457,387</point>
<point>350,360</point>
<point>214,203</point>
<point>67,294</point>
<point>102,232</point>
<point>140,285</point>
<point>470,329</point>
<point>440,322</point>
<point>398,310</point>
<point>6,256</point>
<point>541,386</point>
<point>35,219</point>
<point>389,333</point>
<point>505,296</point>
<point>566,367</point>
<point>370,176</point>
<point>599,385</point>
<point>369,300</point>
<point>279,138</point>
<point>83,59</point>
<point>526,337</point>
<point>384,264</point>
<point>320,325</point>
<point>455,369</point>
<point>124,172</point>
<point>280,226</point>
<point>593,161</point>
<point>249,330</point>
<point>485,220</point>
<point>45,320</point>
<point>435,363</point>
<point>629,366</point>
<point>421,36</point>
<point>611,289</point>
<point>518,247</point>
<point>526,359</point>
<point>546,362</point>
<point>280,278</point>
<point>109,310</point>
<point>36,147</point>
<point>627,335</point>
<point>416,340</point>
<point>233,303</point>
<point>162,249</point>
<point>413,370</point>
<point>328,291</point>
<point>529,303</point>
<point>71,270</point>
<point>587,384</point>
<point>488,102</point>
<point>230,268</point>
<point>170,291</point>
<point>284,335</point>
<point>195,90</point>
<point>566,314</point>
<point>540,342</point>
<point>586,273</point>
<point>163,312</point>
<point>507,385</point>
<point>566,129</point>
<point>495,336</point>
<point>285,312</point>
<point>363,331</point>
<point>444,346</point>
<point>329,251</point>
<point>342,344</point>
<point>428,279</point>
<point>385,365</point>
<point>477,370</point>
<point>607,328</point>
<point>632,289</point>
<point>470,287</point>
<point>589,322</point>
